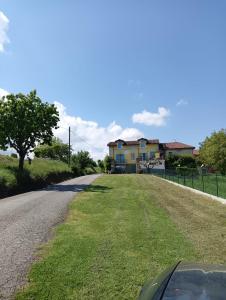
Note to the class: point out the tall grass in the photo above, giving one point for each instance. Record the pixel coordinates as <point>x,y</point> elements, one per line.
<point>40,173</point>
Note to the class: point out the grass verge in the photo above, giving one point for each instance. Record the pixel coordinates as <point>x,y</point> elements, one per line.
<point>212,184</point>
<point>39,174</point>
<point>116,237</point>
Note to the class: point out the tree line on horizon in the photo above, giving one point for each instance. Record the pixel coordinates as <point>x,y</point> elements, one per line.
<point>27,124</point>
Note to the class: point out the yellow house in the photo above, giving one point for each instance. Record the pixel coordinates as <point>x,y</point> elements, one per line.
<point>127,155</point>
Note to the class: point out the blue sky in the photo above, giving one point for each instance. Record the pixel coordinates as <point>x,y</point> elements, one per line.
<point>120,68</point>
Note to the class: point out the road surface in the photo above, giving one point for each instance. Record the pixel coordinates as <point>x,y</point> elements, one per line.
<point>26,221</point>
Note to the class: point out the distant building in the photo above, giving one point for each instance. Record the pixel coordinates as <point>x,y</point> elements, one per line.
<point>177,148</point>
<point>143,154</point>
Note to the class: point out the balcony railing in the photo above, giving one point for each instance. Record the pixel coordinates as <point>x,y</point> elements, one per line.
<point>120,161</point>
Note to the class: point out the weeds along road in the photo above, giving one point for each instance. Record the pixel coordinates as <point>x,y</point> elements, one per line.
<point>26,221</point>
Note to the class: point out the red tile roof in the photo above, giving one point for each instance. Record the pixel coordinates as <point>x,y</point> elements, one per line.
<point>130,143</point>
<point>177,145</point>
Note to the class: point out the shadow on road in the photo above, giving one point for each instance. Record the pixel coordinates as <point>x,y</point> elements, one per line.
<point>77,188</point>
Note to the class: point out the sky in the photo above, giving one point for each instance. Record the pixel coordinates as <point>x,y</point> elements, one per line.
<point>119,69</point>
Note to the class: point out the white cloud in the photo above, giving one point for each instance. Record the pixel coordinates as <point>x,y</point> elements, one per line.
<point>182,102</point>
<point>4,23</point>
<point>152,119</point>
<point>3,93</point>
<point>88,135</point>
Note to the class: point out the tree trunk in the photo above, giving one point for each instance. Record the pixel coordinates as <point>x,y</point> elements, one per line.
<point>21,162</point>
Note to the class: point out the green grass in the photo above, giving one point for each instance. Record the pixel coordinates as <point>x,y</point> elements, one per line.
<point>40,173</point>
<point>207,184</point>
<point>116,237</point>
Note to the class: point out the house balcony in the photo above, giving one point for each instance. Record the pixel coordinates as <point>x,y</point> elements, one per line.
<point>120,161</point>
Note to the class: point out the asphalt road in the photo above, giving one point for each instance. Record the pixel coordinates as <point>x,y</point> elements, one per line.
<point>26,221</point>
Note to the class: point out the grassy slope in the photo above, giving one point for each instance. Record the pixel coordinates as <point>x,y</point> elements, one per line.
<point>202,220</point>
<point>210,183</point>
<point>39,173</point>
<point>115,237</point>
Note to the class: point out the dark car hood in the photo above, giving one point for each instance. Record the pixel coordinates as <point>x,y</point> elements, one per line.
<point>197,281</point>
<point>189,281</point>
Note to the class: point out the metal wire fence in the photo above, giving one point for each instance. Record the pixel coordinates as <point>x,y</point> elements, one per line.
<point>214,184</point>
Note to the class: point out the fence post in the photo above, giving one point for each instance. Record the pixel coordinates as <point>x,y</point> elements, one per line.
<point>202,183</point>
<point>217,185</point>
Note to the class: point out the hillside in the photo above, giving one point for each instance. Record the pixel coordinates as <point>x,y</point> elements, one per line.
<point>40,173</point>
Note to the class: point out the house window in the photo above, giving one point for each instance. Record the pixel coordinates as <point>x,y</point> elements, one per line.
<point>120,158</point>
<point>132,156</point>
<point>119,145</point>
<point>142,144</point>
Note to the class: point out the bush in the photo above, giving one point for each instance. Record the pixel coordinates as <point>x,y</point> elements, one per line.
<point>175,161</point>
<point>185,171</point>
<point>82,161</point>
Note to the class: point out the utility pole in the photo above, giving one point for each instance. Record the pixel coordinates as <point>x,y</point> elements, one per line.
<point>69,146</point>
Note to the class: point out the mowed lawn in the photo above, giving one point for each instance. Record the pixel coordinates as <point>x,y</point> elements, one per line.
<point>120,232</point>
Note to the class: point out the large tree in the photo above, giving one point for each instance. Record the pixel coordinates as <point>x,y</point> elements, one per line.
<point>24,121</point>
<point>213,151</point>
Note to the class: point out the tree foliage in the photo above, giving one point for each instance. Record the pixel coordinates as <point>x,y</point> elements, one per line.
<point>81,161</point>
<point>56,150</point>
<point>107,163</point>
<point>101,165</point>
<point>174,161</point>
<point>24,121</point>
<point>213,151</point>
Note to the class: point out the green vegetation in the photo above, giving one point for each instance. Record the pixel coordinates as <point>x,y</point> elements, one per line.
<point>55,150</point>
<point>174,161</point>
<point>100,164</point>
<point>40,173</point>
<point>107,163</point>
<point>25,121</point>
<point>214,184</point>
<point>82,163</point>
<point>213,151</point>
<point>123,230</point>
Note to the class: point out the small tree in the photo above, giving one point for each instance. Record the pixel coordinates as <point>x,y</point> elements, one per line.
<point>24,121</point>
<point>213,151</point>
<point>81,161</point>
<point>107,163</point>
<point>56,150</point>
<point>101,165</point>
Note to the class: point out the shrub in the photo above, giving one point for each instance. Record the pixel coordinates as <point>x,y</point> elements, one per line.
<point>185,171</point>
